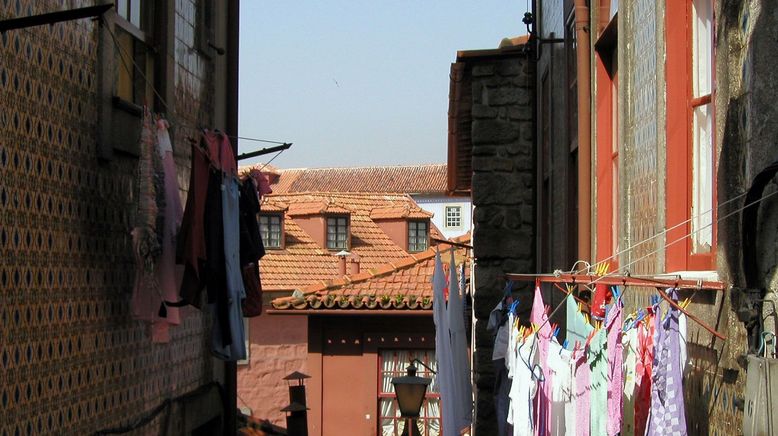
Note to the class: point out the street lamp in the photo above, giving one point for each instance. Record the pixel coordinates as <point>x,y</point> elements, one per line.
<point>410,391</point>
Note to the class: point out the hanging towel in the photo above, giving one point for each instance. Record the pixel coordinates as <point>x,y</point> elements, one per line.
<point>523,388</point>
<point>561,388</point>
<point>667,415</point>
<point>645,363</point>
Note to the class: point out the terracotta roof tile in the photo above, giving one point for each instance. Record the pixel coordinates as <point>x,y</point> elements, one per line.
<point>412,179</point>
<point>303,261</point>
<point>403,284</point>
<point>397,212</point>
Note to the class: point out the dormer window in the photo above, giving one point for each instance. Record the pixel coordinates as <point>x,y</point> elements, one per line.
<point>270,228</point>
<point>337,232</point>
<point>418,235</point>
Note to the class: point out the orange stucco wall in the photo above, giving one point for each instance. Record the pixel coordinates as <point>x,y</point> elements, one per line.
<point>278,346</point>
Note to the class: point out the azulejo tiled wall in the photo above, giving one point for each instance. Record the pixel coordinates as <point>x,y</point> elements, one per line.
<point>72,360</point>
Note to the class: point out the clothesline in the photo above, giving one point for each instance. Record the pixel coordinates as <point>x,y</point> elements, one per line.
<point>659,284</point>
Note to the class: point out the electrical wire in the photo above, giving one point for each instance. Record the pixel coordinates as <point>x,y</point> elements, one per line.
<point>662,233</point>
<point>564,299</point>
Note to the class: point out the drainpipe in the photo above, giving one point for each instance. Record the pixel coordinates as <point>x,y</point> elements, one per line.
<point>584,130</point>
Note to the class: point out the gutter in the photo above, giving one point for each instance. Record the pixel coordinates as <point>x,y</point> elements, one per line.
<point>583,52</point>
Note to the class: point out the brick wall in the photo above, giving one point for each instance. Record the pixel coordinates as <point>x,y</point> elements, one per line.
<point>503,189</point>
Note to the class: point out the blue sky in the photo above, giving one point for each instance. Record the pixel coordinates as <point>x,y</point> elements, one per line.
<point>358,82</point>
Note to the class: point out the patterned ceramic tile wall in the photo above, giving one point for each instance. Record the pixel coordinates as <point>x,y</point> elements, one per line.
<point>641,145</point>
<point>72,360</point>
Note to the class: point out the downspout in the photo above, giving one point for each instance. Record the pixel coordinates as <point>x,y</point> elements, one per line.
<point>231,92</point>
<point>584,129</point>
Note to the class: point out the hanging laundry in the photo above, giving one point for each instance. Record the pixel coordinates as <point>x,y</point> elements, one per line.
<point>455,314</point>
<point>615,352</point>
<point>600,299</point>
<point>560,371</point>
<point>643,372</point>
<point>524,387</point>
<point>630,345</point>
<point>251,248</point>
<point>596,357</point>
<point>157,219</point>
<point>539,318</point>
<point>582,393</point>
<point>578,330</point>
<point>667,404</point>
<point>443,348</point>
<point>498,325</point>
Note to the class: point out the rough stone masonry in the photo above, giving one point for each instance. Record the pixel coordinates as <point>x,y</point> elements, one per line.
<point>503,189</point>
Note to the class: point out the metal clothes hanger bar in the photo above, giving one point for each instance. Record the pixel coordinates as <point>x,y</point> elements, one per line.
<point>614,280</point>
<point>444,241</point>
<point>265,151</point>
<point>583,279</point>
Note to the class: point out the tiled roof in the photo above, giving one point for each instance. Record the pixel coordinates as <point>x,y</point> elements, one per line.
<point>395,212</point>
<point>317,207</point>
<point>403,284</point>
<point>411,179</point>
<point>303,261</point>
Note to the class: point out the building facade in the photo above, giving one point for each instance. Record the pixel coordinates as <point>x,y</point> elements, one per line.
<point>72,359</point>
<point>655,150</point>
<point>347,281</point>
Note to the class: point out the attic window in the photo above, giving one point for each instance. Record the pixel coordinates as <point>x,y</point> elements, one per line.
<point>337,232</point>
<point>270,230</point>
<point>418,235</point>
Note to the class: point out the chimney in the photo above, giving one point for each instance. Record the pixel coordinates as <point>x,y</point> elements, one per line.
<point>342,255</point>
<point>354,265</point>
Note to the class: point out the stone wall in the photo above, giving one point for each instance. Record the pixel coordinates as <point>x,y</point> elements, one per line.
<point>503,189</point>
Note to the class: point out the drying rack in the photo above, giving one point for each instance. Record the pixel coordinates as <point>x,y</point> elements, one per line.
<point>638,281</point>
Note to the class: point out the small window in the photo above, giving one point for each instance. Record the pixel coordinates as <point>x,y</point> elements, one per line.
<point>418,235</point>
<point>337,233</point>
<point>453,217</point>
<point>270,230</point>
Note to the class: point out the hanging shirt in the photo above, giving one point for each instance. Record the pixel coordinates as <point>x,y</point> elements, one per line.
<point>558,365</point>
<point>523,388</point>
<point>667,404</point>
<point>614,326</point>
<point>577,327</point>
<point>236,348</point>
<point>629,342</point>
<point>538,317</point>
<point>597,359</point>
<point>498,324</point>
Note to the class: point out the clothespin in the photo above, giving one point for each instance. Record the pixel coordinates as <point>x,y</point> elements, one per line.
<point>556,332</point>
<point>685,303</point>
<point>615,291</point>
<point>564,346</point>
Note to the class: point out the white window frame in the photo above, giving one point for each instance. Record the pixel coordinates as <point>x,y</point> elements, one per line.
<point>702,128</point>
<point>446,217</point>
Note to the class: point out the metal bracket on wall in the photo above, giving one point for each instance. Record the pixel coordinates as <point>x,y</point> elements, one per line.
<point>264,151</point>
<point>54,17</point>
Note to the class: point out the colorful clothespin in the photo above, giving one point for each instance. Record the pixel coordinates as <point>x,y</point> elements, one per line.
<point>556,332</point>
<point>564,346</point>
